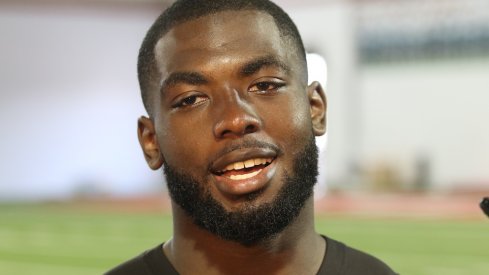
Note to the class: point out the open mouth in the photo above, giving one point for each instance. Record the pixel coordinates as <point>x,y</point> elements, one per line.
<point>242,170</point>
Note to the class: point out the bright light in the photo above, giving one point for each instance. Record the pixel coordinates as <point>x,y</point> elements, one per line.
<point>317,70</point>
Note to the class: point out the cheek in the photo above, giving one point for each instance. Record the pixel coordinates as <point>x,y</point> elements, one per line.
<point>291,120</point>
<point>183,145</point>
<point>300,131</point>
<point>301,120</point>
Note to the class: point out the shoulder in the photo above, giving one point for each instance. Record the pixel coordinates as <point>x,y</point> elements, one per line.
<point>359,262</point>
<point>346,260</point>
<point>135,265</point>
<point>152,261</point>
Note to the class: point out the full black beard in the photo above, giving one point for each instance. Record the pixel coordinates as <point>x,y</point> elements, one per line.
<point>251,224</point>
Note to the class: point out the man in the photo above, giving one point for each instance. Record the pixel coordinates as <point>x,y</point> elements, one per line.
<point>232,122</point>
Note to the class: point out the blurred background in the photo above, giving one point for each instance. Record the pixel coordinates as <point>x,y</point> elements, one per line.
<point>407,85</point>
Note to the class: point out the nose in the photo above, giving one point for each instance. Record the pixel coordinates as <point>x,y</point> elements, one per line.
<point>235,119</point>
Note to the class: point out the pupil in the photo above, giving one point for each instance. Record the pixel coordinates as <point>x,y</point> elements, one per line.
<point>189,100</point>
<point>263,86</point>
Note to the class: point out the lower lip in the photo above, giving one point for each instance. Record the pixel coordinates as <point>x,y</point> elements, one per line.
<point>245,186</point>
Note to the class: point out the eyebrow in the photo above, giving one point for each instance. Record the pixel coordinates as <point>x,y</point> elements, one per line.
<point>248,69</point>
<point>191,78</point>
<point>257,64</point>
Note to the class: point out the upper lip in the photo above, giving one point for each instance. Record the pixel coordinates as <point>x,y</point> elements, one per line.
<point>241,155</point>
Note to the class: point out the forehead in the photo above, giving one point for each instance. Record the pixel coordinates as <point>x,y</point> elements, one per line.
<point>222,37</point>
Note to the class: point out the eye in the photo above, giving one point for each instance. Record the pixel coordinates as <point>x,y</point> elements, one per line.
<point>266,87</point>
<point>188,101</point>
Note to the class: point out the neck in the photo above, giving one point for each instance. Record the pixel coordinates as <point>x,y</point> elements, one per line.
<point>296,249</point>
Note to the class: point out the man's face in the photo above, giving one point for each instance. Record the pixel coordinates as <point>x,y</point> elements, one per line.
<point>234,113</point>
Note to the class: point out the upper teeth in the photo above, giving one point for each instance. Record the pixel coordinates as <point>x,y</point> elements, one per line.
<point>246,164</point>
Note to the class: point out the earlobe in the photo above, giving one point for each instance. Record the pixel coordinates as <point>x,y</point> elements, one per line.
<point>149,143</point>
<point>318,106</point>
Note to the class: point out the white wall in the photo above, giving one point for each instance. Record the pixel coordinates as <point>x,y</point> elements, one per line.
<point>69,99</point>
<point>436,110</point>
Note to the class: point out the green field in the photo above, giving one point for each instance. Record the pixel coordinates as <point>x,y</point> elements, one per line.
<point>64,240</point>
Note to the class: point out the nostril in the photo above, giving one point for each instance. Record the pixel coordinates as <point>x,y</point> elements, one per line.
<point>250,129</point>
<point>225,132</point>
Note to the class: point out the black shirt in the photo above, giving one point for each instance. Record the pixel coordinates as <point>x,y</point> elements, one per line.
<point>339,259</point>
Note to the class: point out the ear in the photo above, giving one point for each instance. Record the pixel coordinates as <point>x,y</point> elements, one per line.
<point>318,105</point>
<point>149,143</point>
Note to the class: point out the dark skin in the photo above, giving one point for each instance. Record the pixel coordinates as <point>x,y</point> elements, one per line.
<point>226,78</point>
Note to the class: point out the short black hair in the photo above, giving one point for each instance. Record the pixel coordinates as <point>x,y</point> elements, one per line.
<point>185,10</point>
